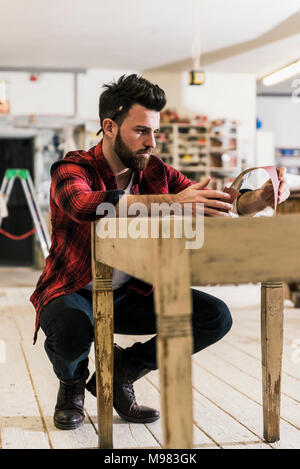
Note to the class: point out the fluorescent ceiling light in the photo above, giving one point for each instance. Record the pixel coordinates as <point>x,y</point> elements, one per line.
<point>282,74</point>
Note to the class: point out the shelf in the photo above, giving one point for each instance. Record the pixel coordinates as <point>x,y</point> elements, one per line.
<point>222,150</point>
<point>193,169</point>
<point>207,135</point>
<point>212,169</point>
<point>185,124</point>
<point>199,137</point>
<point>193,162</point>
<point>191,152</point>
<point>290,161</point>
<point>224,170</point>
<point>204,146</point>
<point>188,151</point>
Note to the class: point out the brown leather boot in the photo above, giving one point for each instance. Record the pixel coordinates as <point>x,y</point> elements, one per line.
<point>124,398</point>
<point>69,413</point>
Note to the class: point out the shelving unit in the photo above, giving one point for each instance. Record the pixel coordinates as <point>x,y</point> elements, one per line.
<point>202,149</point>
<point>290,158</point>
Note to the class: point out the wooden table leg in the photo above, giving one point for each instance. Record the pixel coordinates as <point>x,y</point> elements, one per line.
<point>174,343</point>
<point>272,343</point>
<point>103,331</point>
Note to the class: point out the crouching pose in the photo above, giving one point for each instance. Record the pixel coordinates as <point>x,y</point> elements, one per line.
<point>120,167</point>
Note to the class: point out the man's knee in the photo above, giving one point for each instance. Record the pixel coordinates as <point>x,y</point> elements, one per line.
<point>223,319</point>
<point>213,317</point>
<point>69,335</point>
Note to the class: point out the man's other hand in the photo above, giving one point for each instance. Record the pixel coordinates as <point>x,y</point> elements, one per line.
<point>213,200</point>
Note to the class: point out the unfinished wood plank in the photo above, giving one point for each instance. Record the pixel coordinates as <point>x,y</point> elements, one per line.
<point>228,242</point>
<point>125,252</point>
<point>220,257</point>
<point>174,341</point>
<point>103,331</point>
<point>103,312</point>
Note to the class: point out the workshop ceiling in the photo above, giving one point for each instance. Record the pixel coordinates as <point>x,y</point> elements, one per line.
<point>148,34</point>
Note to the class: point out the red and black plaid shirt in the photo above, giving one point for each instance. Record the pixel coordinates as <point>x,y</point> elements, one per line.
<point>80,182</point>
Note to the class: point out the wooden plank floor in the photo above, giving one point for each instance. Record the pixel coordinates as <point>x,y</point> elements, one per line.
<point>226,381</point>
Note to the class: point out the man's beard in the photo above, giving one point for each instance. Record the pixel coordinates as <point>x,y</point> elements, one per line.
<point>133,160</point>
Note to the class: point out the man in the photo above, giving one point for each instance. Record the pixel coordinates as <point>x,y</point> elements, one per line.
<point>121,168</point>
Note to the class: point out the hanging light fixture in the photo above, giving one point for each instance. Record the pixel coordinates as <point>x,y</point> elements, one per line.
<point>197,76</point>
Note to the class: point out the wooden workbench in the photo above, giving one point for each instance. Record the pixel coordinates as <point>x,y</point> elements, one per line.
<point>289,206</point>
<point>238,250</point>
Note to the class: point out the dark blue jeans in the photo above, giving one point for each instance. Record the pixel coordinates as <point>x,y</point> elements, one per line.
<point>67,322</point>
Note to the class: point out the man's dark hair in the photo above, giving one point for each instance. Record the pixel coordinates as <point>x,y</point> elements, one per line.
<point>120,96</point>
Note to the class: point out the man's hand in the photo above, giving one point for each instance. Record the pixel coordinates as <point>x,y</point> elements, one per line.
<point>256,201</point>
<point>267,192</point>
<point>210,198</point>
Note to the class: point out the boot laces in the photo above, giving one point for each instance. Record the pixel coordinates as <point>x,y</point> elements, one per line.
<point>129,389</point>
<point>70,394</point>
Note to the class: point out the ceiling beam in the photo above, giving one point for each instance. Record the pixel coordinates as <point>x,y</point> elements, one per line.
<point>284,29</point>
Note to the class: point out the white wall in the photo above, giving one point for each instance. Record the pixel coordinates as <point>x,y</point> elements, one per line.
<point>53,93</point>
<point>265,148</point>
<point>224,95</point>
<point>90,87</point>
<point>280,115</point>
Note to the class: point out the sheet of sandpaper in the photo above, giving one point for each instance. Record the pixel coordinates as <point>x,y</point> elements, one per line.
<point>233,190</point>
